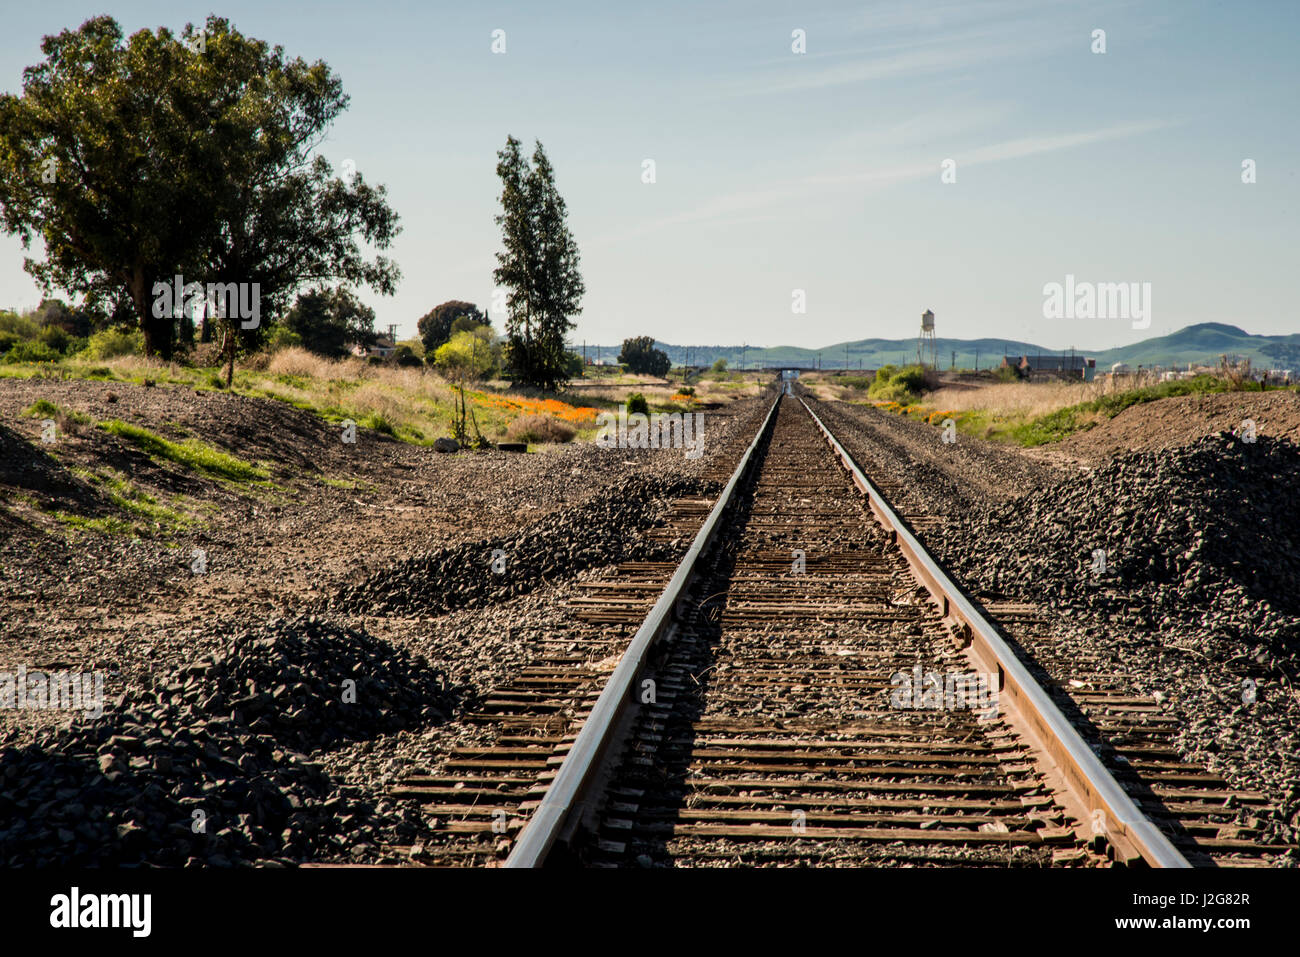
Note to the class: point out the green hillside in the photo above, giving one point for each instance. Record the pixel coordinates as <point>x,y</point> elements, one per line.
<point>1198,344</point>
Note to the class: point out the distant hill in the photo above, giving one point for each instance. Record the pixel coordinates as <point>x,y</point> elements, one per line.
<point>1198,344</point>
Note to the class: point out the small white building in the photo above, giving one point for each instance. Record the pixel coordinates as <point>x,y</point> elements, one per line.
<point>383,347</point>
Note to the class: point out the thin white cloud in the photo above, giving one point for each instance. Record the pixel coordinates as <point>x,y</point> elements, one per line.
<point>997,152</point>
<point>741,206</point>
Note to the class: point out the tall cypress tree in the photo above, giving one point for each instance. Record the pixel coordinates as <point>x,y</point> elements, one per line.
<point>539,266</point>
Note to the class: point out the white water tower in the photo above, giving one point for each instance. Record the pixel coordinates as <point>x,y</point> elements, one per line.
<point>925,342</point>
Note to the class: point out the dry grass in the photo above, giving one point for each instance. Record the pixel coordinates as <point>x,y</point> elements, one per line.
<point>660,392</point>
<point>1016,400</point>
<point>538,429</point>
<point>299,362</point>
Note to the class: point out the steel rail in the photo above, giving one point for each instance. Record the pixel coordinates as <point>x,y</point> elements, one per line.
<point>1095,787</point>
<point>568,793</point>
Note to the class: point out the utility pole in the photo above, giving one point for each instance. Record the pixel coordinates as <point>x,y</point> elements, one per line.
<point>977,359</point>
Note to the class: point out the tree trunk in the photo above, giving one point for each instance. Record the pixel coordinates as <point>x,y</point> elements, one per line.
<point>232,343</point>
<point>157,331</point>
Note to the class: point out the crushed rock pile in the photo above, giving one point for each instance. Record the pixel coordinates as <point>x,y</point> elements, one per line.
<point>608,529</point>
<point>1201,543</point>
<point>207,766</point>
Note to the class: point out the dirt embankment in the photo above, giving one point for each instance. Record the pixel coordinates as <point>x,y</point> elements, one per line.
<point>1181,420</point>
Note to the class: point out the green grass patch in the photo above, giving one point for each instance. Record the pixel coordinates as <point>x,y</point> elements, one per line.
<point>190,453</point>
<point>119,490</point>
<point>45,409</point>
<point>41,409</point>
<point>105,526</point>
<point>377,422</point>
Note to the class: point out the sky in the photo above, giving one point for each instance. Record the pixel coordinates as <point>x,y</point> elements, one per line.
<point>821,171</point>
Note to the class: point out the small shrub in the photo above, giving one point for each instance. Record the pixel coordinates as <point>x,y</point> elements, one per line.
<point>41,409</point>
<point>405,356</point>
<point>282,337</point>
<point>112,343</point>
<point>377,422</point>
<point>537,429</point>
<point>31,351</point>
<point>893,384</point>
<point>636,403</point>
<point>56,338</point>
<point>1006,374</point>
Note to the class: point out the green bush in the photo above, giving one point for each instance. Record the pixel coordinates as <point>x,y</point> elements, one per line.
<point>1006,374</point>
<point>912,378</point>
<point>31,351</point>
<point>405,356</point>
<point>893,384</point>
<point>892,391</point>
<point>60,340</point>
<point>112,343</point>
<point>17,327</point>
<point>720,365</point>
<point>636,403</point>
<point>282,337</point>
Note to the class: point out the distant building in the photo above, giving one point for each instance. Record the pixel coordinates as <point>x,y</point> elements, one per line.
<point>383,347</point>
<point>1074,367</point>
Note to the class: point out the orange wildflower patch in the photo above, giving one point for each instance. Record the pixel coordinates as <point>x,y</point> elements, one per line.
<point>561,410</point>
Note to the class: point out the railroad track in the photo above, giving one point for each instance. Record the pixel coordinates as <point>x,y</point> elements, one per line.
<point>806,687</point>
